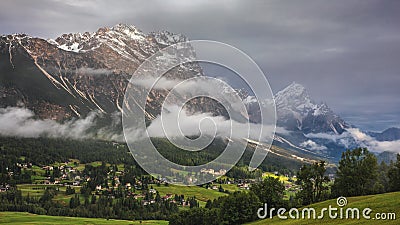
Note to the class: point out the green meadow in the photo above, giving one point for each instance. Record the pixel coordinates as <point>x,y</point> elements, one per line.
<point>381,203</point>
<point>21,218</point>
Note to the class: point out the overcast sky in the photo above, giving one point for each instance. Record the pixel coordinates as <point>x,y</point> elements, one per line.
<point>346,53</point>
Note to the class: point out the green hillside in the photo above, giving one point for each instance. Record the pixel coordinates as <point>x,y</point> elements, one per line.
<point>381,203</point>
<point>200,193</point>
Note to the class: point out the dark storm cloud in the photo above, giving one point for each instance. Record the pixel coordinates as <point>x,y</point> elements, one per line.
<point>345,52</point>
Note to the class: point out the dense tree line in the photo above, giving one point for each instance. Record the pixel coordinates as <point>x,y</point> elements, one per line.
<point>236,208</point>
<point>313,182</point>
<point>91,206</point>
<point>45,151</point>
<point>359,174</point>
<point>394,176</point>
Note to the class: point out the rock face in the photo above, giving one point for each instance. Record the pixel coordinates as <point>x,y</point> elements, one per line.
<point>77,73</point>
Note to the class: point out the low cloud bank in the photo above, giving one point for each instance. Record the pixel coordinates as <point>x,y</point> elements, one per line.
<point>309,144</point>
<point>20,122</point>
<point>361,139</point>
<point>93,71</point>
<point>176,122</point>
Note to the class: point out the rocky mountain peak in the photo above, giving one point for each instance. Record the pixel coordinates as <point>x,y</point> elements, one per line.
<point>295,95</point>
<point>129,31</point>
<point>119,35</point>
<point>294,88</point>
<point>298,111</point>
<point>167,38</point>
<point>14,36</point>
<point>294,98</point>
<point>122,27</point>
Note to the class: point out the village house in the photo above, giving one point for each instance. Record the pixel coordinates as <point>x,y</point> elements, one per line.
<point>167,196</point>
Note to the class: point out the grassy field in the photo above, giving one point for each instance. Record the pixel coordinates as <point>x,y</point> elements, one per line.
<point>281,177</point>
<point>28,218</point>
<point>37,190</point>
<point>230,187</point>
<point>200,193</point>
<point>382,203</point>
<point>32,189</point>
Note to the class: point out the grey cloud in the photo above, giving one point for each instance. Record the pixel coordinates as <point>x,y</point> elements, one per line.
<point>328,136</point>
<point>92,71</point>
<point>176,122</point>
<point>20,122</point>
<point>312,145</point>
<point>161,83</point>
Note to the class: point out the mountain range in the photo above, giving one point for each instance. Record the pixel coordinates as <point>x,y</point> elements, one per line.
<point>75,74</point>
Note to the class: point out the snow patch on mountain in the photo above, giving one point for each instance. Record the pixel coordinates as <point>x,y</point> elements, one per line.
<point>74,47</point>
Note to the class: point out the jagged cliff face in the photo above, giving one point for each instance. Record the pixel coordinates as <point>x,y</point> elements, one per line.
<point>77,73</point>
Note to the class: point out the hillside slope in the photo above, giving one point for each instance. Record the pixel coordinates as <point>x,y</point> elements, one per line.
<point>381,203</point>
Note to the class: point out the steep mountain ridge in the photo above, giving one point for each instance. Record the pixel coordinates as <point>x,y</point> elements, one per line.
<point>77,73</point>
<point>390,134</point>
